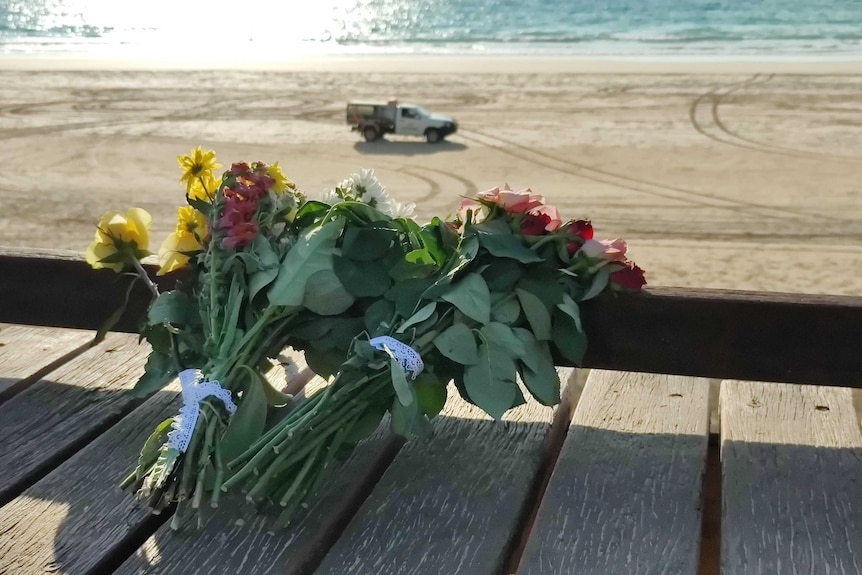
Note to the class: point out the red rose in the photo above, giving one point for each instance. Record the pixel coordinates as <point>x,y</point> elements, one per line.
<point>630,276</point>
<point>582,228</point>
<point>534,224</point>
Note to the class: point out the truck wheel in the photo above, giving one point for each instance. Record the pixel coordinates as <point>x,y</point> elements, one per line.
<point>433,136</point>
<point>370,133</point>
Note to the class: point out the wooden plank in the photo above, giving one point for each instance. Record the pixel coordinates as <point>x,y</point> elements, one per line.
<point>76,520</point>
<point>59,288</point>
<point>748,335</point>
<point>626,493</point>
<point>452,503</point>
<point>53,418</point>
<point>791,480</point>
<point>235,539</point>
<point>28,353</point>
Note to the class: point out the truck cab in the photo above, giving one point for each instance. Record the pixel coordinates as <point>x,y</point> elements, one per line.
<point>374,120</point>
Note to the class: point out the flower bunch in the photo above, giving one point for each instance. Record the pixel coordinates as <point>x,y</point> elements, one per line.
<point>485,300</point>
<point>388,309</point>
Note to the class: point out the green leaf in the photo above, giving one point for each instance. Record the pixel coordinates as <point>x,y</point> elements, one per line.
<point>399,382</point>
<point>537,369</point>
<point>571,309</point>
<point>537,314</point>
<point>567,337</point>
<point>458,344</point>
<point>309,213</point>
<point>449,238</point>
<point>491,382</point>
<point>366,244</point>
<point>506,246</point>
<point>543,283</point>
<point>173,307</point>
<point>377,317</point>
<point>461,258</point>
<point>312,253</point>
<point>268,266</point>
<point>404,417</point>
<point>431,394</point>
<point>471,296</point>
<point>247,424</point>
<point>504,309</point>
<point>362,279</point>
<point>502,336</point>
<point>159,371</point>
<point>600,282</point>
<point>501,275</point>
<point>365,425</point>
<point>324,362</point>
<point>407,294</point>
<point>424,313</point>
<point>325,295</point>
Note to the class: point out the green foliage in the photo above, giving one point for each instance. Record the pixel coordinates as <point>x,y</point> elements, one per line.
<point>312,253</point>
<point>491,382</point>
<point>471,296</point>
<point>458,344</point>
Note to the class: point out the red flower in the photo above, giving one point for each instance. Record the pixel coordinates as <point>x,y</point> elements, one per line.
<point>534,224</point>
<point>630,276</point>
<point>240,235</point>
<point>582,229</point>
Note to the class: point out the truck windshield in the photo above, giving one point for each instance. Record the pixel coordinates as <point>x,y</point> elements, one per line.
<point>421,112</point>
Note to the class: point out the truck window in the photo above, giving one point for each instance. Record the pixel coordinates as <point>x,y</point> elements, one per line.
<point>408,113</point>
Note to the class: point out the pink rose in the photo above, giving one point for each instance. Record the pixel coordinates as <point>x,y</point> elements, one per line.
<point>553,217</point>
<point>480,212</point>
<point>515,202</point>
<point>608,250</point>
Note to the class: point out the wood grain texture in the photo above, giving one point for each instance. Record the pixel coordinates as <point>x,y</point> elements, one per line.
<point>791,480</point>
<point>747,335</point>
<point>47,422</point>
<point>28,353</point>
<point>236,539</point>
<point>451,503</point>
<point>626,493</point>
<point>76,517</point>
<point>76,520</point>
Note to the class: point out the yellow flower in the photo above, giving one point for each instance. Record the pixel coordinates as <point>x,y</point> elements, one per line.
<point>120,240</point>
<point>187,239</point>
<point>196,165</point>
<point>281,181</point>
<point>204,187</point>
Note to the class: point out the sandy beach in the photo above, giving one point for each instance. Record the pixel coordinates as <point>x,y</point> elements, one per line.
<point>719,175</point>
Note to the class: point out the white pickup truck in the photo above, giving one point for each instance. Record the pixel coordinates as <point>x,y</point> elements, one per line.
<point>373,120</point>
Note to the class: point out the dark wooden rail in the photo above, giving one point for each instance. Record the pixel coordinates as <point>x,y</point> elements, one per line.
<point>777,337</point>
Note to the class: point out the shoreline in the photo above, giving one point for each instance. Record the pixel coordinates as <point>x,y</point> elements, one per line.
<point>434,64</point>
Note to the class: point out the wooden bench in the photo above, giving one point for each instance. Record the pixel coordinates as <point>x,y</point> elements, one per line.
<point>627,475</point>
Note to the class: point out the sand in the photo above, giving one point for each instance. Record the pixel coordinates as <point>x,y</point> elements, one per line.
<point>719,175</point>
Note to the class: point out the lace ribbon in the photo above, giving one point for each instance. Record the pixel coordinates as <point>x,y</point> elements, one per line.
<point>194,391</point>
<point>410,360</point>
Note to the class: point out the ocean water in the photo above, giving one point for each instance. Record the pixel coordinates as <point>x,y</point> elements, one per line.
<point>213,29</point>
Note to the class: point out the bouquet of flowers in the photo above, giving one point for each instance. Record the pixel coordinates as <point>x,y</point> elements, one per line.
<point>389,309</point>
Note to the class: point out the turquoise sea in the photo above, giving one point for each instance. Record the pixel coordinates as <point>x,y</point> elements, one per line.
<point>658,29</point>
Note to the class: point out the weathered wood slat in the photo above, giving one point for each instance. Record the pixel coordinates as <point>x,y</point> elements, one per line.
<point>76,517</point>
<point>234,539</point>
<point>45,424</point>
<point>76,520</point>
<point>625,496</point>
<point>791,480</point>
<point>749,335</point>
<point>452,503</point>
<point>28,353</point>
